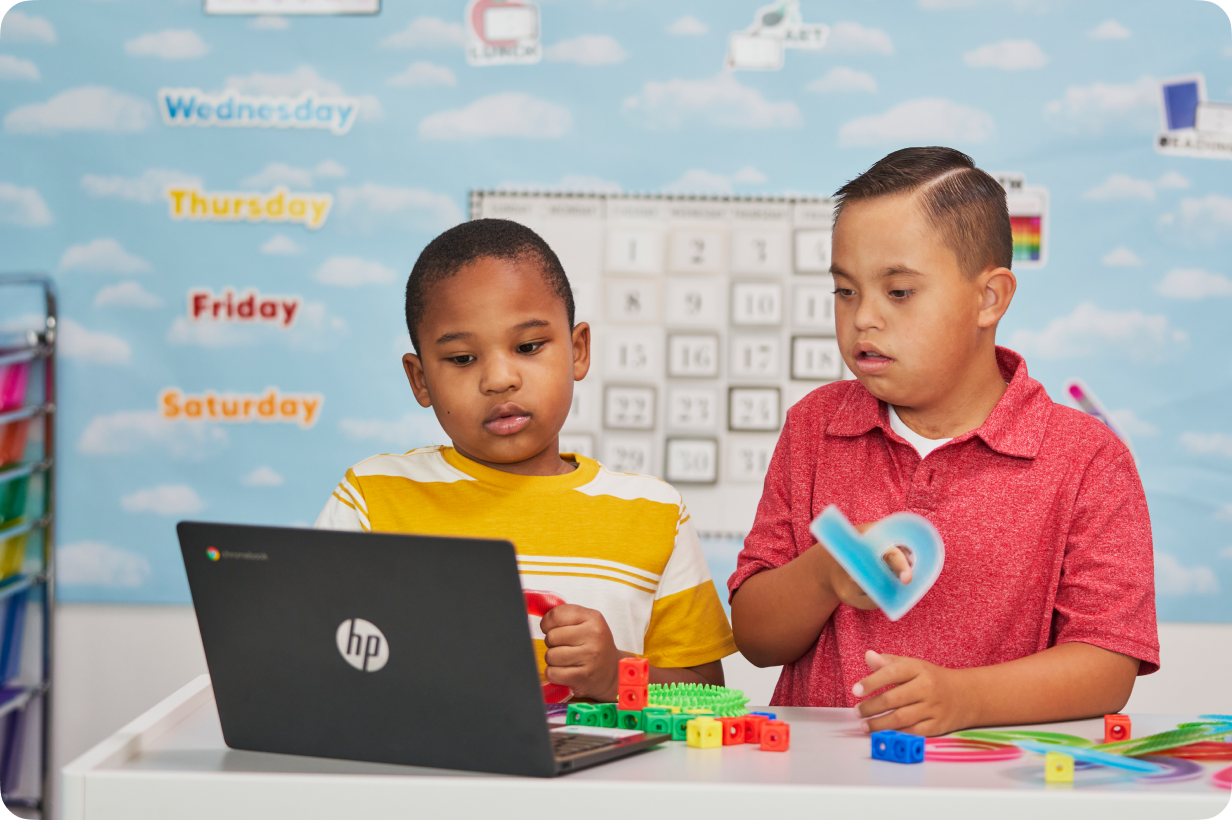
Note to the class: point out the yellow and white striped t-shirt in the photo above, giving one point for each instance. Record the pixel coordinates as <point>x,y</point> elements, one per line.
<point>619,543</point>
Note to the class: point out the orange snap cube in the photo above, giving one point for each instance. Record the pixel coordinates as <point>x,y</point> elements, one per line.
<point>775,736</point>
<point>752,727</point>
<point>633,672</point>
<point>632,698</point>
<point>733,730</point>
<point>1116,727</point>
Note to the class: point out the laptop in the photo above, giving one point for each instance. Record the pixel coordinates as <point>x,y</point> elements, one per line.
<point>379,647</point>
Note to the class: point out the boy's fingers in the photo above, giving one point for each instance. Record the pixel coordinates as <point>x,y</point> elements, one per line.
<point>900,720</point>
<point>564,615</point>
<point>887,701</point>
<point>876,660</point>
<point>898,563</point>
<point>566,656</point>
<point>574,635</point>
<point>889,673</point>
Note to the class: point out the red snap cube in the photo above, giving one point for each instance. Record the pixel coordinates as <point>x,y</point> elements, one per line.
<point>633,672</point>
<point>752,727</point>
<point>1116,727</point>
<point>775,736</point>
<point>632,698</point>
<point>733,730</point>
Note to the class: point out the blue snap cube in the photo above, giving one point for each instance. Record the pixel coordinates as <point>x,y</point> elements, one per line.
<point>770,715</point>
<point>897,747</point>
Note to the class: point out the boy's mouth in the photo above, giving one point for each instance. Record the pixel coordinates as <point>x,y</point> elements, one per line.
<point>506,419</point>
<point>871,362</point>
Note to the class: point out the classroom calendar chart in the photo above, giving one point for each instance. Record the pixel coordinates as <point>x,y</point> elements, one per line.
<point>709,316</point>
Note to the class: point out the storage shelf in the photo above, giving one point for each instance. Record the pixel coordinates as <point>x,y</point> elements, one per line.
<point>30,412</point>
<point>23,470</point>
<point>13,698</point>
<point>16,583</point>
<point>27,355</point>
<point>22,529</point>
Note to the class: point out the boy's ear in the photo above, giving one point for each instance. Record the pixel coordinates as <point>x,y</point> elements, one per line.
<point>581,351</point>
<point>997,288</point>
<point>415,375</point>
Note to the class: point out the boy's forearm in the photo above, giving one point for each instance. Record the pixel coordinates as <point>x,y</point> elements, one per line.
<point>778,614</point>
<point>1064,682</point>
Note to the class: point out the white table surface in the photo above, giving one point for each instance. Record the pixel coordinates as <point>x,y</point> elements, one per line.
<point>172,763</point>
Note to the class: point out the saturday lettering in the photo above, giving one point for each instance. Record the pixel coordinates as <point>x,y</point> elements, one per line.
<point>272,405</point>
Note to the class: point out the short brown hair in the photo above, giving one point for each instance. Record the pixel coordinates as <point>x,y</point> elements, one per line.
<point>963,203</point>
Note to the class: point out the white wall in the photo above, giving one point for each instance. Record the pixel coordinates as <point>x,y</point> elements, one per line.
<point>114,662</point>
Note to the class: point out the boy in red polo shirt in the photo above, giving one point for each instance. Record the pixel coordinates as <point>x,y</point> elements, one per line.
<point>1045,608</point>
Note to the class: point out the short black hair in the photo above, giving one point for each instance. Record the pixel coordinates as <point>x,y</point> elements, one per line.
<point>963,203</point>
<point>480,239</point>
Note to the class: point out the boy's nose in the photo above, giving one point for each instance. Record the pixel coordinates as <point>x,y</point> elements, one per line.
<point>500,375</point>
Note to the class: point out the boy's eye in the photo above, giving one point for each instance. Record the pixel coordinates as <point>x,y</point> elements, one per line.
<point>900,294</point>
<point>529,347</point>
<point>844,292</point>
<point>465,358</point>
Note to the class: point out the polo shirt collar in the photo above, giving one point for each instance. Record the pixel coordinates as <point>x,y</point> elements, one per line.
<point>1015,427</point>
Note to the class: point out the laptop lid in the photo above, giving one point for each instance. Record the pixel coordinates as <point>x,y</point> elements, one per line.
<point>380,647</point>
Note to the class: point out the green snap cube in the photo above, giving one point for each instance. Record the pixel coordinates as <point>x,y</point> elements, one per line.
<point>629,720</point>
<point>608,715</point>
<point>680,729</point>
<point>659,723</point>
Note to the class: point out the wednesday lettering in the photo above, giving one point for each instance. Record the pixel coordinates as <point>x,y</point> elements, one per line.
<point>230,109</point>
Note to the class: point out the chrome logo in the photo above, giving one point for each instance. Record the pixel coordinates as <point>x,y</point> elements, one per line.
<point>212,553</point>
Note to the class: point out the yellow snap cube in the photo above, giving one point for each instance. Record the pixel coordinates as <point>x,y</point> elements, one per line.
<point>698,711</point>
<point>1058,768</point>
<point>704,732</point>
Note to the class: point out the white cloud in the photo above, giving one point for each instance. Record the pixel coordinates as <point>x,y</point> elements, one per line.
<point>352,271</point>
<point>929,120</point>
<point>1172,179</point>
<point>279,173</point>
<point>172,44</point>
<point>1224,513</point>
<point>412,430</point>
<point>280,245</point>
<point>749,175</point>
<point>76,342</point>
<point>576,183</point>
<point>427,32</point>
<point>263,477</point>
<point>1121,257</point>
<point>15,68</point>
<point>843,80</point>
<point>165,499</point>
<point>1206,443</point>
<point>1122,186</point>
<point>330,169</point>
<point>269,22</point>
<point>314,328</point>
<point>1128,421</point>
<point>413,207</point>
<point>24,28</point>
<point>1090,328</point>
<point>853,38</point>
<point>103,256</point>
<point>126,294</point>
<point>88,108</point>
<point>1092,108</point>
<point>210,335</point>
<point>1226,552</point>
<point>720,100</point>
<point>424,74</point>
<point>1202,220</point>
<point>688,26</point>
<point>301,81</point>
<point>697,181</point>
<point>1007,55</point>
<point>1194,284</point>
<point>148,188</point>
<point>1109,30</point>
<point>132,431</point>
<point>587,49</point>
<point>511,114</point>
<point>23,207</point>
<point>1173,578</point>
<point>93,563</point>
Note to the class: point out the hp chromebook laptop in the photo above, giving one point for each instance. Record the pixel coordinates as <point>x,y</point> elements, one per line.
<point>387,648</point>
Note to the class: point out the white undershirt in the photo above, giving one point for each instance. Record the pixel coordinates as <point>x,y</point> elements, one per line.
<point>922,445</point>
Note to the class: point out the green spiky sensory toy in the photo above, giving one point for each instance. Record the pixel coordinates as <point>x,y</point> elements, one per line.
<point>720,700</point>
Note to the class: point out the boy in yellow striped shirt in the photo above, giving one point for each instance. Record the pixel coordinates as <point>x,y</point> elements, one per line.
<point>491,319</point>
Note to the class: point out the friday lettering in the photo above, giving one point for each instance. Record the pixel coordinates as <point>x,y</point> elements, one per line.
<point>250,306</point>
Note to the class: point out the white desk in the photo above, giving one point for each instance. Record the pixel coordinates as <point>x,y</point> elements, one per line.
<point>172,763</point>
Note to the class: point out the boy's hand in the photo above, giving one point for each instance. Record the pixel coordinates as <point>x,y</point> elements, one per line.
<point>925,699</point>
<point>581,653</point>
<point>849,592</point>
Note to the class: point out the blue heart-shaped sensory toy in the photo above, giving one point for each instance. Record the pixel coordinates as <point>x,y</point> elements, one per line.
<point>862,556</point>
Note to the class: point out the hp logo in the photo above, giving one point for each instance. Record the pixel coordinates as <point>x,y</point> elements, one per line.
<point>362,645</point>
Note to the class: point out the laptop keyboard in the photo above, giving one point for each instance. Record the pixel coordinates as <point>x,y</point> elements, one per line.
<point>566,745</point>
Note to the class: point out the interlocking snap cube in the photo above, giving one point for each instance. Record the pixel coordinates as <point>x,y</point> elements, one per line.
<point>631,698</point>
<point>1058,768</point>
<point>629,720</point>
<point>897,747</point>
<point>775,736</point>
<point>1117,727</point>
<point>752,727</point>
<point>633,672</point>
<point>704,732</point>
<point>733,730</point>
<point>608,715</point>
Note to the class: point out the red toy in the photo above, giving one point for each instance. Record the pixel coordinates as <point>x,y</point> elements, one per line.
<point>733,730</point>
<point>633,672</point>
<point>538,603</point>
<point>1116,727</point>
<point>752,727</point>
<point>776,736</point>
<point>632,698</point>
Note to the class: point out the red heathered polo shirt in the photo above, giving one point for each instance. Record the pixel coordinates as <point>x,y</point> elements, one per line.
<point>1047,537</point>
